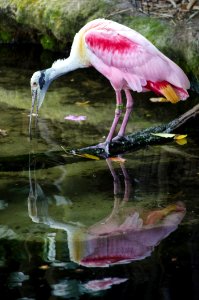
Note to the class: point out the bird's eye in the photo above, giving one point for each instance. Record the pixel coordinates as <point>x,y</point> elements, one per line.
<point>34,84</point>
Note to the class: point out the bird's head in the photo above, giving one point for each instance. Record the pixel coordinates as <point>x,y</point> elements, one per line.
<point>39,84</point>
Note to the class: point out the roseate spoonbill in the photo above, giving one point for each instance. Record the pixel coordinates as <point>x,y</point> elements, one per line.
<point>126,58</point>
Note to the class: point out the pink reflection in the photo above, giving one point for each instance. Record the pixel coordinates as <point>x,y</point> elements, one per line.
<point>127,234</point>
<point>75,118</point>
<point>103,284</point>
<point>111,243</point>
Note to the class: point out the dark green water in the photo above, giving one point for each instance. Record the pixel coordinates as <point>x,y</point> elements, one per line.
<point>64,233</point>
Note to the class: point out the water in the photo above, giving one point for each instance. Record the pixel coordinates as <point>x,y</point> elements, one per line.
<point>91,229</point>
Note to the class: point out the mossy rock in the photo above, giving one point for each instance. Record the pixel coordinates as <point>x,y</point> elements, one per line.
<point>53,24</point>
<point>48,42</point>
<point>61,18</point>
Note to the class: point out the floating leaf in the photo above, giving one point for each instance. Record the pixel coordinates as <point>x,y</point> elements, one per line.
<point>3,132</point>
<point>164,135</point>
<point>161,99</point>
<point>75,118</point>
<point>180,136</point>
<point>44,267</point>
<point>181,141</point>
<point>82,103</point>
<point>117,159</point>
<point>86,155</point>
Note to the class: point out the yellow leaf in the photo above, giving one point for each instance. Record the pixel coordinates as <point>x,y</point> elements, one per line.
<point>117,159</point>
<point>181,141</point>
<point>83,103</point>
<point>164,135</point>
<point>89,156</point>
<point>180,136</point>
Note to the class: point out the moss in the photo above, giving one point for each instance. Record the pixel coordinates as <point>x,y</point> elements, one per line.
<point>60,17</point>
<point>192,62</point>
<point>6,31</point>
<point>157,31</point>
<point>5,36</point>
<point>47,42</point>
<point>55,22</point>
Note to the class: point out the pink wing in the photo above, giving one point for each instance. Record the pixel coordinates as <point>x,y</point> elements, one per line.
<point>133,58</point>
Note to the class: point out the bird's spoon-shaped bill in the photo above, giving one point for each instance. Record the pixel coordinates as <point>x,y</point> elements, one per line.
<point>34,98</point>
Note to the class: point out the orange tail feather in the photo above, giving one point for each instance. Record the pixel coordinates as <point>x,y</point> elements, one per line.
<point>165,89</point>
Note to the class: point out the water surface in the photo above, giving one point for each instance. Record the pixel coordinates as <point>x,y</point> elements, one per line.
<point>92,229</point>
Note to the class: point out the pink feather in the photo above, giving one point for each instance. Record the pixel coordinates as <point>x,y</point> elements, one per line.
<point>137,60</point>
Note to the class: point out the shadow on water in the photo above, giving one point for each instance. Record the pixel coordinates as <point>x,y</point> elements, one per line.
<point>79,229</point>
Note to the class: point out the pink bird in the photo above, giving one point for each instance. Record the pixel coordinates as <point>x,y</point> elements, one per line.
<point>126,58</point>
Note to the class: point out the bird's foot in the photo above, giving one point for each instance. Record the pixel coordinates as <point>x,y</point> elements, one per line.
<point>119,138</point>
<point>104,147</point>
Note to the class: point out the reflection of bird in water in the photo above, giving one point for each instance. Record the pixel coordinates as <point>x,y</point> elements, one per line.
<point>124,57</point>
<point>130,217</point>
<point>128,233</point>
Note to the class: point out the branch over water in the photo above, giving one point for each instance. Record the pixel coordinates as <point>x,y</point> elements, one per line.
<point>186,123</point>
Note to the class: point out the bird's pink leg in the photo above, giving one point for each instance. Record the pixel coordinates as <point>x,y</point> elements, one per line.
<point>129,107</point>
<point>118,112</point>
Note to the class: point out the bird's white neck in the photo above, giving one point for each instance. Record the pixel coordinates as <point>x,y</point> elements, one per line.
<point>63,66</point>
